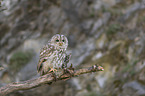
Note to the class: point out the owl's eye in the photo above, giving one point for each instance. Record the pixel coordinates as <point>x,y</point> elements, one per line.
<point>63,40</point>
<point>57,40</point>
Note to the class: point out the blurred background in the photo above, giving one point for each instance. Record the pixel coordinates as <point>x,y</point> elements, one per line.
<point>110,33</point>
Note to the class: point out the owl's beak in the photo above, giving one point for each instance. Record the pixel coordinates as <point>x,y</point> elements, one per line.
<point>60,44</point>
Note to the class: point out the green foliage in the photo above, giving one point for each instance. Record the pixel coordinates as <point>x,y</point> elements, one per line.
<point>19,58</point>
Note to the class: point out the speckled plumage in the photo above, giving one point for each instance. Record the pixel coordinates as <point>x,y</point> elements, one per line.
<point>52,55</point>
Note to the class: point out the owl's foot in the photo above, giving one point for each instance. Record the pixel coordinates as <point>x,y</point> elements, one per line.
<point>70,72</point>
<point>52,70</point>
<point>67,71</point>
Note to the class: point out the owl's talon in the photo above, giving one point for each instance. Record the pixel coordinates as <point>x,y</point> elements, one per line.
<point>52,70</point>
<point>70,72</point>
<point>67,71</point>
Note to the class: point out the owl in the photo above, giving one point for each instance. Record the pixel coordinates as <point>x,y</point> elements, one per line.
<point>53,55</point>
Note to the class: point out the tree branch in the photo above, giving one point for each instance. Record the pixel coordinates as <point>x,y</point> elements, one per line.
<point>45,79</point>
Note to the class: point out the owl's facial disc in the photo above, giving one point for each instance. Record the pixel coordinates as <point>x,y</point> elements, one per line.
<point>60,41</point>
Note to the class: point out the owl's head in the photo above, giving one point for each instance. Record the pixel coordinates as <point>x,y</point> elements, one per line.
<point>59,41</point>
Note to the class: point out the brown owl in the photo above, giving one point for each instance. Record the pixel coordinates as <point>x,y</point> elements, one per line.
<point>53,55</point>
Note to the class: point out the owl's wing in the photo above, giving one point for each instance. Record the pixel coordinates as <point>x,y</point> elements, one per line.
<point>45,53</point>
<point>66,61</point>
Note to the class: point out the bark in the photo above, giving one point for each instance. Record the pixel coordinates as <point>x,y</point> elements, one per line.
<point>45,79</point>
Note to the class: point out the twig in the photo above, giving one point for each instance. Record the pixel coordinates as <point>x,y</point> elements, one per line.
<point>45,79</point>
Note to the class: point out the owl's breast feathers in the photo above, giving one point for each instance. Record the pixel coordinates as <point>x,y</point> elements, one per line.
<point>50,57</point>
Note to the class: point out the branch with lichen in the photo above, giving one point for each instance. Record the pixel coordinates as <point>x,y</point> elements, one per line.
<point>45,79</point>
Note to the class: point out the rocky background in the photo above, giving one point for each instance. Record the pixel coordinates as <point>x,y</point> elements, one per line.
<point>110,33</point>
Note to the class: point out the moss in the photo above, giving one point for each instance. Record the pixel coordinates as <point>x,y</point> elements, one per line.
<point>88,87</point>
<point>114,11</point>
<point>114,57</point>
<point>92,13</point>
<point>3,30</point>
<point>141,19</point>
<point>19,59</point>
<point>93,94</point>
<point>112,29</point>
<point>130,68</point>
